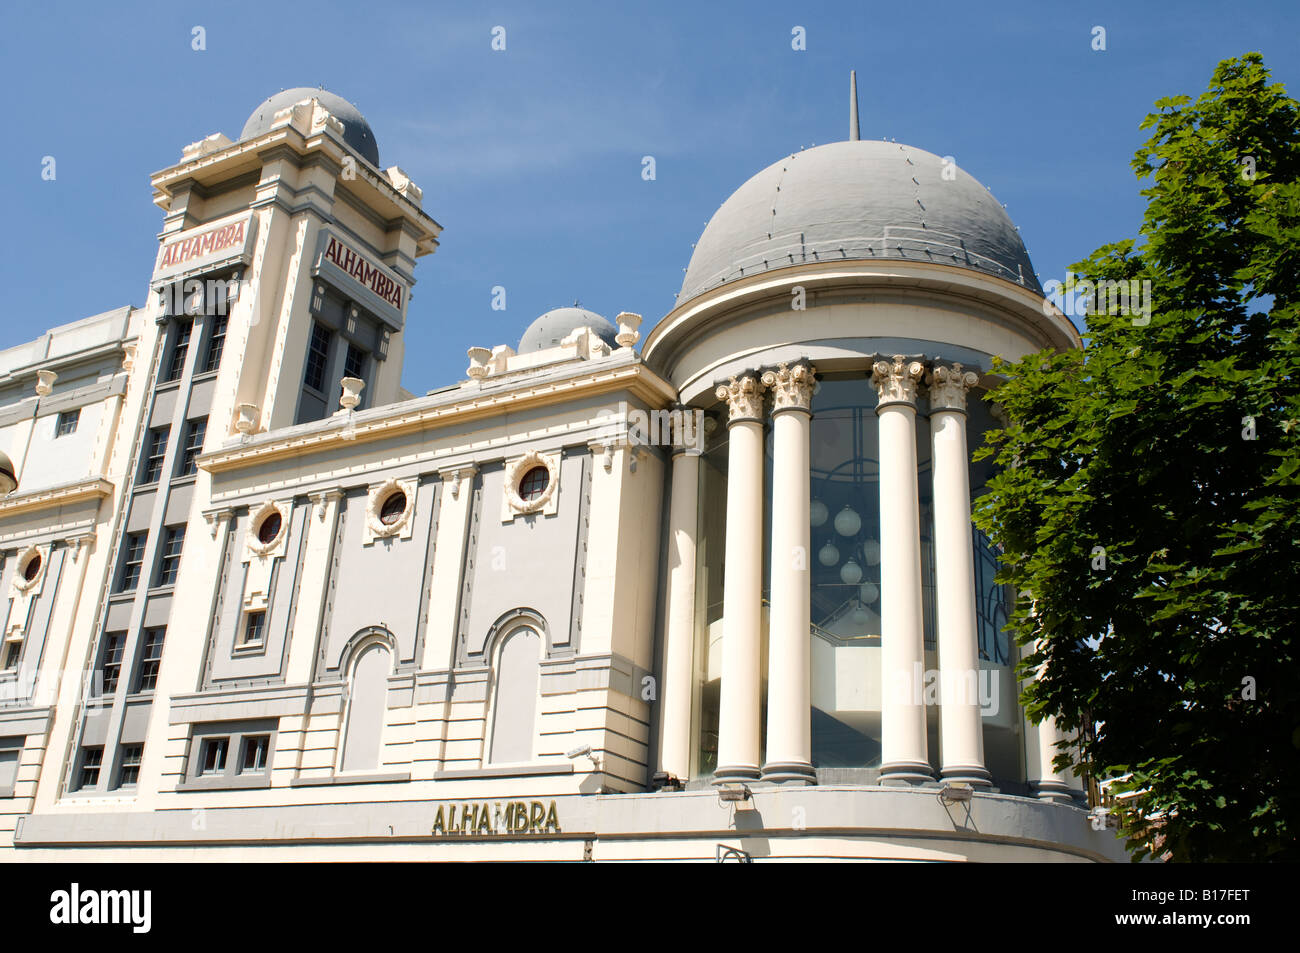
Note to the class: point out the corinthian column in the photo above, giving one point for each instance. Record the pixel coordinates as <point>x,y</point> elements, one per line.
<point>679,637</point>
<point>961,734</point>
<point>738,715</point>
<point>789,666</point>
<point>902,718</point>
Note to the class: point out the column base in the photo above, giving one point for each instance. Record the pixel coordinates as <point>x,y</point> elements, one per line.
<point>789,772</point>
<point>976,775</point>
<point>906,774</point>
<point>732,773</point>
<point>1056,791</point>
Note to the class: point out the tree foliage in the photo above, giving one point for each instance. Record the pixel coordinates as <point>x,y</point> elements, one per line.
<point>1174,445</point>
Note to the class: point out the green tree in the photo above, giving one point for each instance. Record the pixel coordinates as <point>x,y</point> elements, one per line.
<point>1174,445</point>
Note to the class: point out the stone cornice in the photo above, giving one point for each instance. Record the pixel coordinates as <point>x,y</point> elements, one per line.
<point>718,306</point>
<point>398,419</point>
<point>95,488</point>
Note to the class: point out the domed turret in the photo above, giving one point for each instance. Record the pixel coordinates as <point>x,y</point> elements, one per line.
<point>356,131</point>
<point>859,200</point>
<point>554,326</point>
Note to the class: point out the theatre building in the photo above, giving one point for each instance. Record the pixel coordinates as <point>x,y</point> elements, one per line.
<point>707,589</point>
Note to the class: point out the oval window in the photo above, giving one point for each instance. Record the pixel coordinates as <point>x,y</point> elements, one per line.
<point>534,483</point>
<point>32,568</point>
<point>393,508</point>
<point>270,528</point>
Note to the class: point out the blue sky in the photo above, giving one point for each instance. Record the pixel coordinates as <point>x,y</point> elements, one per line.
<point>531,158</point>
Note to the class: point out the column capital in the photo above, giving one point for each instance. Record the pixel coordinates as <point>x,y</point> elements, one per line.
<point>791,386</point>
<point>744,397</point>
<point>896,380</point>
<point>948,384</point>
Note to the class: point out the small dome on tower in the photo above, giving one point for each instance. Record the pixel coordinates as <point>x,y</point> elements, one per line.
<point>356,131</point>
<point>554,326</point>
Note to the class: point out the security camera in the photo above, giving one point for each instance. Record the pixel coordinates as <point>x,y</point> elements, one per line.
<point>573,754</point>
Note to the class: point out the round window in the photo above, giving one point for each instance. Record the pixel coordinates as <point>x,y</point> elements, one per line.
<point>534,483</point>
<point>32,568</point>
<point>270,528</point>
<point>393,508</point>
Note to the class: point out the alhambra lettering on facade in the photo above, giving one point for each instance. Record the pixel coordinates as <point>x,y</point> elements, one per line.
<point>367,274</point>
<point>207,243</point>
<point>517,817</point>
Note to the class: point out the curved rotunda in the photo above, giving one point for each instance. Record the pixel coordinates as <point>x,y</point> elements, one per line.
<point>832,614</point>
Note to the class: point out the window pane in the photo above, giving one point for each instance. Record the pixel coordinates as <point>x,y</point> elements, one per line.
<point>216,344</point>
<point>317,357</point>
<point>180,348</point>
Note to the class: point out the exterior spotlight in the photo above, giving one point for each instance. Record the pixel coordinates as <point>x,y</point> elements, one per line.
<point>734,793</point>
<point>955,792</point>
<point>8,479</point>
<point>584,751</point>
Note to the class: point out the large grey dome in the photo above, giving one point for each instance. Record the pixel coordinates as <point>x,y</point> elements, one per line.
<point>860,200</point>
<point>356,131</point>
<point>554,326</point>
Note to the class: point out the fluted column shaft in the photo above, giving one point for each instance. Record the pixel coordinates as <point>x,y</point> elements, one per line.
<point>739,728</point>
<point>789,668</point>
<point>904,758</point>
<point>679,635</point>
<point>961,732</point>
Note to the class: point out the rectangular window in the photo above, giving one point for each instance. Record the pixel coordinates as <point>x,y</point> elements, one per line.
<point>180,347</point>
<point>195,431</point>
<point>11,751</point>
<point>153,461</point>
<point>256,749</point>
<point>212,757</point>
<point>318,352</point>
<point>128,769</point>
<point>254,628</point>
<point>230,754</point>
<point>12,652</point>
<point>91,758</point>
<point>216,344</point>
<point>169,562</point>
<point>150,660</point>
<point>132,560</point>
<point>110,669</point>
<point>67,423</point>
<point>354,364</point>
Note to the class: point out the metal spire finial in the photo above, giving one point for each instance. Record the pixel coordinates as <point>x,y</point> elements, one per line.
<point>853,105</point>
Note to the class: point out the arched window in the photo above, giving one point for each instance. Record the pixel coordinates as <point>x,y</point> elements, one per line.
<point>514,706</point>
<point>368,700</point>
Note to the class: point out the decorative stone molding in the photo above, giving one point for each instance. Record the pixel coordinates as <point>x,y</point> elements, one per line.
<point>744,397</point>
<point>948,386</point>
<point>246,420</point>
<point>791,386</point>
<point>895,381</point>
<point>260,556</point>
<point>215,520</point>
<point>128,357</point>
<point>401,527</point>
<point>321,502</point>
<point>478,363</point>
<point>351,395</point>
<point>45,382</point>
<point>80,544</point>
<point>628,323</point>
<point>276,546</point>
<point>453,477</point>
<point>604,449</point>
<point>23,591</point>
<point>547,502</point>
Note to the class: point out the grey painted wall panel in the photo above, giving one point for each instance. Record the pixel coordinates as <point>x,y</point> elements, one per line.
<point>528,562</point>
<point>379,584</point>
